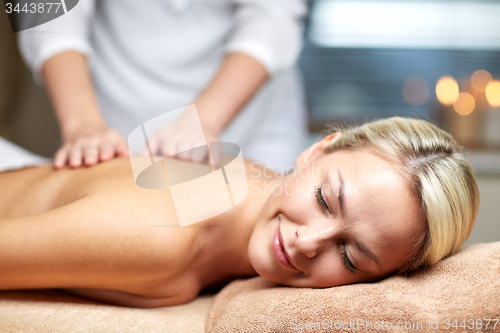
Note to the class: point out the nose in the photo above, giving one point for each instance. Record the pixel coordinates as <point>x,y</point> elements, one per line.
<point>311,239</point>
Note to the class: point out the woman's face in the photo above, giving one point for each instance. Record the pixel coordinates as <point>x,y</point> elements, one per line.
<point>340,218</point>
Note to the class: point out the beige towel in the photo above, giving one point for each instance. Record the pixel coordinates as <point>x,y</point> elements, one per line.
<point>465,286</point>
<point>52,311</point>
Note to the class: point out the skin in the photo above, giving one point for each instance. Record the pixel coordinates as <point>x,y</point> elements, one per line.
<point>86,231</point>
<point>96,234</point>
<point>87,139</point>
<point>379,213</point>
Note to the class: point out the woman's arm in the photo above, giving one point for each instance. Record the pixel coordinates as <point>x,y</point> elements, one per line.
<point>68,81</point>
<point>58,59</point>
<point>99,242</point>
<point>238,79</point>
<point>236,82</point>
<point>87,140</point>
<point>267,38</point>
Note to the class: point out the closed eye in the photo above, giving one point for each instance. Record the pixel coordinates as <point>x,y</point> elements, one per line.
<point>320,199</point>
<point>346,260</point>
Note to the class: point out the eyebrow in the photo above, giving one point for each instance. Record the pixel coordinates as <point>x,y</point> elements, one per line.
<point>340,196</point>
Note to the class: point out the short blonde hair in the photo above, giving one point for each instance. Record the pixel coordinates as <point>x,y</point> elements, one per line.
<point>440,176</point>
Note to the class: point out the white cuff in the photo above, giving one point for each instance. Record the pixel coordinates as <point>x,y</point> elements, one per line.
<point>256,50</point>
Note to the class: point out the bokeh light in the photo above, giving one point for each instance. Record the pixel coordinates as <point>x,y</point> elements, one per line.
<point>464,104</point>
<point>447,90</point>
<point>480,80</point>
<point>493,93</point>
<point>416,90</point>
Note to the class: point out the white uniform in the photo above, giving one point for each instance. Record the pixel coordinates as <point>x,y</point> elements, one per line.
<point>150,57</point>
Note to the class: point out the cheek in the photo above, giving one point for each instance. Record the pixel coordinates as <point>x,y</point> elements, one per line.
<point>295,197</point>
<point>334,273</point>
<point>328,272</point>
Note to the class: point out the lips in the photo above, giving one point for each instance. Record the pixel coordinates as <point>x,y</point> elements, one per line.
<point>279,250</point>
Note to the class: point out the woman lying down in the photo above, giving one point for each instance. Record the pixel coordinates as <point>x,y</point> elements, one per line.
<point>389,196</point>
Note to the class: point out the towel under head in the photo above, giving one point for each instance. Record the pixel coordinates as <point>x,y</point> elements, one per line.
<point>463,289</point>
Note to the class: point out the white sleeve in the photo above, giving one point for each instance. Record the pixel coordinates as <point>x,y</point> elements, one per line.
<point>67,32</point>
<point>269,30</point>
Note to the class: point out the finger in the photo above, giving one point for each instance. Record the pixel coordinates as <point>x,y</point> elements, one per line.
<point>120,144</point>
<point>75,157</point>
<point>90,155</point>
<point>200,154</point>
<point>61,157</point>
<point>168,148</point>
<point>185,151</point>
<point>107,151</point>
<point>122,149</point>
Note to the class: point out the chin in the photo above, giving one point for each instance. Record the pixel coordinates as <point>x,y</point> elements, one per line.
<point>268,269</point>
<point>276,278</point>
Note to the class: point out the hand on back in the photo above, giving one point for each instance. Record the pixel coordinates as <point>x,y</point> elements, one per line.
<point>89,146</point>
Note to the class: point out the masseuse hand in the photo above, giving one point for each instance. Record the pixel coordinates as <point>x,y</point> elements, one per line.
<point>90,145</point>
<point>179,137</point>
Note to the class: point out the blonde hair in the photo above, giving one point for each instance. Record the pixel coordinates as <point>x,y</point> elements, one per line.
<point>440,177</point>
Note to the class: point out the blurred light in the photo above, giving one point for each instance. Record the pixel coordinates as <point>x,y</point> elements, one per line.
<point>464,104</point>
<point>445,25</point>
<point>447,90</point>
<point>416,90</point>
<point>493,93</point>
<point>480,79</point>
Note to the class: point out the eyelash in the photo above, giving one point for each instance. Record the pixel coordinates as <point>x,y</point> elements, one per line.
<point>319,198</point>
<point>345,257</point>
<point>346,260</point>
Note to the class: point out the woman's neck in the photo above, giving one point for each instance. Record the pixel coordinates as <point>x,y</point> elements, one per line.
<point>224,251</point>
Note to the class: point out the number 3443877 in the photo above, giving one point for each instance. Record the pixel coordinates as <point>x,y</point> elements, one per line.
<point>470,324</point>
<point>33,8</point>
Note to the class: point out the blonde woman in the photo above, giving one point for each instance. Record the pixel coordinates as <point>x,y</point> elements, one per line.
<point>363,203</point>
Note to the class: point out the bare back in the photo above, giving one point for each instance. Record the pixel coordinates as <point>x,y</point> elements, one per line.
<point>95,229</point>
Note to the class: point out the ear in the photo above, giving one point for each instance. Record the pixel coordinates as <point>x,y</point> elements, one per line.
<point>316,149</point>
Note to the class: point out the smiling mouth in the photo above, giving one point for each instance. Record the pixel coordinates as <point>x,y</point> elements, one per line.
<point>279,250</point>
